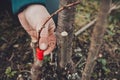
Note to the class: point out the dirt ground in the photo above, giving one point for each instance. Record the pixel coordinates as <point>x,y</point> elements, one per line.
<point>16,54</point>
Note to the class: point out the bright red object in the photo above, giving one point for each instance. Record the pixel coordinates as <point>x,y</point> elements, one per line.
<point>39,54</point>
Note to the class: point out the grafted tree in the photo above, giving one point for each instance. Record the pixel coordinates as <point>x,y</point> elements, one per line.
<point>65,34</point>
<point>96,39</point>
<point>65,24</point>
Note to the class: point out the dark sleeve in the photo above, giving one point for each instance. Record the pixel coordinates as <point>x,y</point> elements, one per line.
<point>19,5</point>
<point>52,6</point>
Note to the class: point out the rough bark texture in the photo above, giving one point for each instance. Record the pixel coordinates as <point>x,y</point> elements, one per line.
<point>97,38</point>
<point>65,23</point>
<point>64,43</point>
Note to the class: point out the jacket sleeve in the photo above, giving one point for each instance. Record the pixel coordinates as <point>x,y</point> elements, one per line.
<point>19,5</point>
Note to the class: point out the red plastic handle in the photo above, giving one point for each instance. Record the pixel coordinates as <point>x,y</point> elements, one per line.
<point>39,54</point>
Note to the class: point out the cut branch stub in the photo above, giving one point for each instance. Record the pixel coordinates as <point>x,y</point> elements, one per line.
<point>64,33</point>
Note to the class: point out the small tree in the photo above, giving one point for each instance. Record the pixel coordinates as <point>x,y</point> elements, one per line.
<point>65,35</point>
<point>97,39</point>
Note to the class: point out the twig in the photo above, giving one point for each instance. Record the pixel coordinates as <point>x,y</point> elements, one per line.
<point>114,6</point>
<point>11,57</point>
<point>85,27</point>
<point>79,62</point>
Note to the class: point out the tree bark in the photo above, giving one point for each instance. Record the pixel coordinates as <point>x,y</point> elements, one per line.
<point>97,39</point>
<point>65,23</point>
<point>64,42</point>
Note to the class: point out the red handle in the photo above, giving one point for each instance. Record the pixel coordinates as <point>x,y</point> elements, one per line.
<point>39,54</point>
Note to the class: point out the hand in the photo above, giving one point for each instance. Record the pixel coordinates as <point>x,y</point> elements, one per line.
<point>32,20</point>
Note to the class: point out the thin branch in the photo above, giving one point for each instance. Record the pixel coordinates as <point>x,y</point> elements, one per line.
<point>11,57</point>
<point>79,62</point>
<point>85,27</point>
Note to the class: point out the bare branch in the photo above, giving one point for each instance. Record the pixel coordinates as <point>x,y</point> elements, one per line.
<point>85,27</point>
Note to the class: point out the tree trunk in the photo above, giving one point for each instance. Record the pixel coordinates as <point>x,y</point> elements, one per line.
<point>65,34</point>
<point>97,39</point>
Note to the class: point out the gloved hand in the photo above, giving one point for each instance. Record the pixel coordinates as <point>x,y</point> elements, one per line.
<point>32,19</point>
